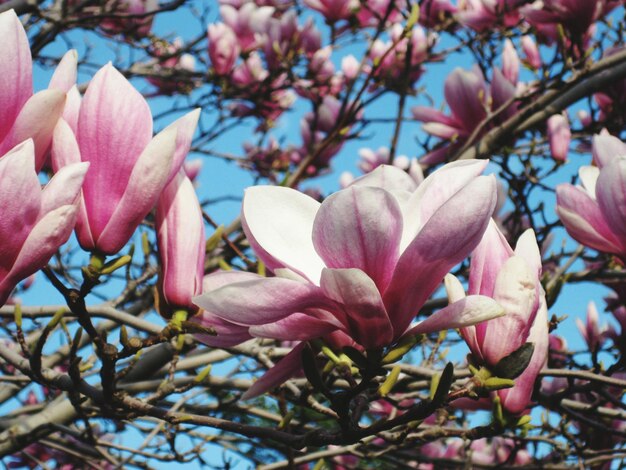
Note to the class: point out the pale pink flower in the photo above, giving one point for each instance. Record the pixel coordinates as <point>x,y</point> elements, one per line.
<point>223,48</point>
<point>129,168</point>
<point>594,213</point>
<point>531,52</point>
<point>592,333</point>
<point>34,222</point>
<point>357,268</point>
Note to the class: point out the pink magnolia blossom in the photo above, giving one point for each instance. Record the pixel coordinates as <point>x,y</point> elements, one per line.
<point>575,16</point>
<point>357,268</point>
<point>470,98</point>
<point>169,60</point>
<point>223,48</point>
<point>531,52</point>
<point>484,14</point>
<point>34,222</point>
<point>592,333</point>
<point>594,214</point>
<point>434,12</point>
<point>512,278</point>
<point>181,242</point>
<point>137,26</point>
<point>559,136</point>
<point>22,114</point>
<point>129,168</point>
<point>334,10</point>
<point>247,22</point>
<point>373,11</point>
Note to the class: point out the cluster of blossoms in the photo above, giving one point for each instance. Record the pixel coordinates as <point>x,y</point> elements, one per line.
<point>109,172</point>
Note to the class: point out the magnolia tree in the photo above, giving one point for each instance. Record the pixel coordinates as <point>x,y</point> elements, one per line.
<point>420,314</point>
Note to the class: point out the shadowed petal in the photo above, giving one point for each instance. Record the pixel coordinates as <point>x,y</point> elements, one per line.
<point>295,327</point>
<point>261,301</point>
<point>611,195</point>
<point>368,321</point>
<point>288,366</point>
<point>465,312</point>
<point>360,227</point>
<point>446,239</point>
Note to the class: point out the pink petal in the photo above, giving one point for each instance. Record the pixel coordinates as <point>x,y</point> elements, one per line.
<point>606,148</point>
<point>288,366</point>
<point>64,77</point>
<point>359,227</point>
<point>147,180</point>
<point>181,241</point>
<point>64,187</point>
<point>611,195</point>
<point>186,127</point>
<point>368,321</point>
<point>515,291</point>
<point>278,223</point>
<point>435,191</point>
<point>295,327</point>
<point>443,131</point>
<point>446,239</point>
<point>114,128</point>
<point>516,399</point>
<point>584,221</point>
<point>37,121</point>
<point>463,313</point>
<point>487,260</point>
<point>21,201</point>
<point>387,177</point>
<point>466,94</point>
<point>16,82</point>
<point>261,301</point>
<point>426,114</point>
<point>43,241</point>
<point>228,334</point>
<point>65,152</point>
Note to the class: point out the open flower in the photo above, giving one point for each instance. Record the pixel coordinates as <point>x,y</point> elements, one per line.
<point>34,223</point>
<point>595,213</point>
<point>129,168</point>
<point>357,268</point>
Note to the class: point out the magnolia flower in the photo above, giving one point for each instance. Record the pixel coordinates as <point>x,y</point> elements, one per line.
<point>180,237</point>
<point>22,114</point>
<point>512,278</point>
<point>470,98</point>
<point>34,222</point>
<point>129,168</point>
<point>592,333</point>
<point>357,268</point>
<point>223,48</point>
<point>595,213</point>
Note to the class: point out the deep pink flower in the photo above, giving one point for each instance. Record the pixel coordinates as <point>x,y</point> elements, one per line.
<point>511,278</point>
<point>334,10</point>
<point>22,114</point>
<point>470,98</point>
<point>138,26</point>
<point>595,213</point>
<point>129,168</point>
<point>361,264</point>
<point>34,223</point>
